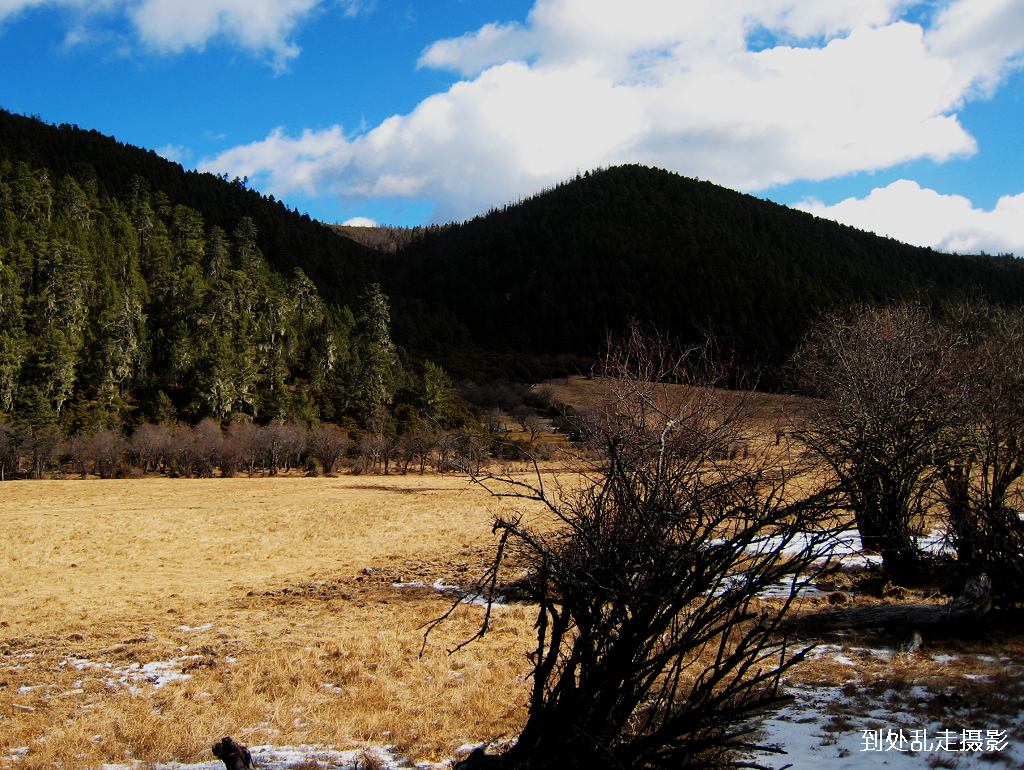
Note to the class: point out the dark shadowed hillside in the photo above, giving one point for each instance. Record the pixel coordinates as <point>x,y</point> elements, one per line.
<point>553,274</point>
<point>523,292</point>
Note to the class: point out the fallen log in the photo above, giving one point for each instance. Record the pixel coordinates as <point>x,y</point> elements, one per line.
<point>972,603</point>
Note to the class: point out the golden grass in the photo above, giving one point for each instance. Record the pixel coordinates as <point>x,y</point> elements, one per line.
<point>274,595</point>
<point>769,410</point>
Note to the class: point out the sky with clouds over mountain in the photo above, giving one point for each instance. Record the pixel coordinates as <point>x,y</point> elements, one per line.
<point>897,117</point>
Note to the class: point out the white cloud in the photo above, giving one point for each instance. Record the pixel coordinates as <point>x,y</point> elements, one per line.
<point>848,86</point>
<point>175,152</point>
<point>285,164</point>
<point>9,8</point>
<point>261,27</point>
<point>920,216</point>
<point>982,38</point>
<point>360,222</point>
<point>475,51</point>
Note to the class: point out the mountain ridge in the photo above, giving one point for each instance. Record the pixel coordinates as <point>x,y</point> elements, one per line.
<point>533,288</point>
<point>553,274</point>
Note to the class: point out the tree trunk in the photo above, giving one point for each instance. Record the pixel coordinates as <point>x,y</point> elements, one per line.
<point>974,602</point>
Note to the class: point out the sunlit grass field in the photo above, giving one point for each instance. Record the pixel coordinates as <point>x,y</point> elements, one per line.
<point>274,596</point>
<point>144,619</point>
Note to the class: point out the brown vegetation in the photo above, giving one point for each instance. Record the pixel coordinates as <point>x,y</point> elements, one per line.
<point>274,595</point>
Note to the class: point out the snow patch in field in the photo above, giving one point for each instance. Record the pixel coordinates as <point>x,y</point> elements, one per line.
<point>450,589</point>
<point>204,627</point>
<point>286,757</point>
<point>822,728</point>
<point>934,543</point>
<point>157,673</point>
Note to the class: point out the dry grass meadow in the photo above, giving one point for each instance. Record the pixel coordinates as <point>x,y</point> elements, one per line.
<point>274,595</point>
<point>143,619</point>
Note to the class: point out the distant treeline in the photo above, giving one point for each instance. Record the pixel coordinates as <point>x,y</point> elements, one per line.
<point>206,450</point>
<point>442,432</point>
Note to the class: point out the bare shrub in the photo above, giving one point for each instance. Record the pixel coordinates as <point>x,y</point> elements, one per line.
<point>885,381</point>
<point>420,441</point>
<point>653,649</point>
<point>246,441</point>
<point>103,451</point>
<point>182,456</point>
<point>984,460</point>
<point>328,444</point>
<point>275,444</point>
<point>149,446</point>
<point>207,447</point>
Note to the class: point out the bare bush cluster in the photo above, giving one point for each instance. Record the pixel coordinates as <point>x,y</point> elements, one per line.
<point>654,648</point>
<point>918,415</point>
<point>206,450</point>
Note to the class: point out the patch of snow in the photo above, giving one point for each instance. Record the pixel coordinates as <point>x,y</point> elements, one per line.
<point>205,627</point>
<point>823,727</point>
<point>935,543</point>
<point>286,757</point>
<point>450,589</point>
<point>157,673</point>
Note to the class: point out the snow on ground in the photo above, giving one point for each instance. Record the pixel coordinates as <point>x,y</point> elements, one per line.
<point>825,727</point>
<point>450,589</point>
<point>287,757</point>
<point>157,673</point>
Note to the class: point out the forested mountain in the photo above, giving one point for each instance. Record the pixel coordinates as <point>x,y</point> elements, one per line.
<point>120,302</point>
<point>339,267</point>
<point>553,274</point>
<point>129,285</point>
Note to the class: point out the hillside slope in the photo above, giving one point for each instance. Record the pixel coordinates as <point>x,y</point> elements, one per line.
<point>339,267</point>
<point>132,290</point>
<point>553,274</point>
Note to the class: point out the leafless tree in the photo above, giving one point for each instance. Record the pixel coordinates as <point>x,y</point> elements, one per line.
<point>528,420</point>
<point>985,461</point>
<point>247,438</point>
<point>182,451</point>
<point>885,381</point>
<point>102,450</point>
<point>149,446</point>
<point>207,446</point>
<point>79,453</point>
<point>421,440</point>
<point>328,444</point>
<point>493,421</point>
<point>275,443</point>
<point>295,444</point>
<point>653,647</point>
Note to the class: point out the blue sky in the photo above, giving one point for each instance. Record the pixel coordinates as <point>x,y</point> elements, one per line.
<point>899,117</point>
